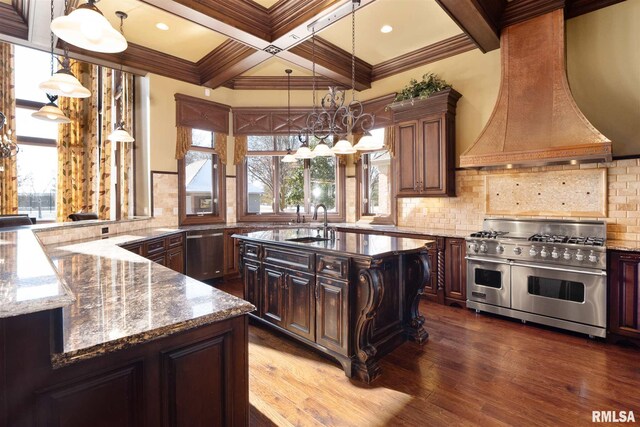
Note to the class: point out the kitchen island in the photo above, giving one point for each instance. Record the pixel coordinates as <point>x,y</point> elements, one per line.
<point>93,334</point>
<point>351,296</point>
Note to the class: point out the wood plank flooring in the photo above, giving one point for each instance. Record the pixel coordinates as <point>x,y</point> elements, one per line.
<point>473,370</point>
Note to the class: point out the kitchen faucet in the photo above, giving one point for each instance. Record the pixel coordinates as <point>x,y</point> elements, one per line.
<point>327,232</point>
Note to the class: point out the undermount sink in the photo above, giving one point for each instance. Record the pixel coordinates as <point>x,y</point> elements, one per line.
<point>307,239</point>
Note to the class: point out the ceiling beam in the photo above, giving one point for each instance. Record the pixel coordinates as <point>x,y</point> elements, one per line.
<point>479,19</point>
<point>434,52</point>
<point>13,19</point>
<point>277,83</point>
<point>228,61</point>
<point>331,62</point>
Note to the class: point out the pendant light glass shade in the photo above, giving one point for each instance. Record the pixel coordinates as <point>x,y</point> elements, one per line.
<point>120,135</point>
<point>289,158</point>
<point>323,150</point>
<point>51,113</point>
<point>343,147</point>
<point>304,152</point>
<point>64,83</point>
<point>369,143</point>
<point>88,29</point>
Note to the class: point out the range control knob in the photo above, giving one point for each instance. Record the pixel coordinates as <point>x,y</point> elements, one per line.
<point>566,255</point>
<point>474,247</point>
<point>555,254</point>
<point>500,249</point>
<point>517,250</point>
<point>544,253</point>
<point>533,251</point>
<point>592,257</point>
<point>579,255</point>
<point>483,247</point>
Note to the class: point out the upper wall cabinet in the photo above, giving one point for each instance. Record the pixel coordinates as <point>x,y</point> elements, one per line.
<point>425,145</point>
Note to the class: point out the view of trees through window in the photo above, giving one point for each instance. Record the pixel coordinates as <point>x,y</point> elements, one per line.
<point>200,165</point>
<point>302,184</point>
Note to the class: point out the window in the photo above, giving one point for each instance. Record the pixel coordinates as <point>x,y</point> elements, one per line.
<point>202,174</point>
<point>375,189</point>
<point>272,190</point>
<point>37,159</point>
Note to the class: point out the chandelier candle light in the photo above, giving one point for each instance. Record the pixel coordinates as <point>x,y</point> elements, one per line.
<point>333,119</point>
<point>88,29</point>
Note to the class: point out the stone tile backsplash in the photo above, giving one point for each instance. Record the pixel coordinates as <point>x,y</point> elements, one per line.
<point>466,211</point>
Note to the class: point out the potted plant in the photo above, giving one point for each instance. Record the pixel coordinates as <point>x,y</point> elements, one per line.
<point>422,89</point>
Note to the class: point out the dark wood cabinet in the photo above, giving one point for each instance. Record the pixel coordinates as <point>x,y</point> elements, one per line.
<point>455,274</point>
<point>251,274</point>
<point>300,309</point>
<point>425,146</point>
<point>231,252</point>
<point>175,259</point>
<point>332,310</point>
<point>167,251</point>
<point>273,294</point>
<point>624,296</point>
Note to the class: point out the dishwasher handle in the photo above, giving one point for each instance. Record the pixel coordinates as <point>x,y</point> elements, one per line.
<point>203,236</point>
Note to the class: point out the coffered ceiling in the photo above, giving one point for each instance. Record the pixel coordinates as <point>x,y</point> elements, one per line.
<point>247,44</point>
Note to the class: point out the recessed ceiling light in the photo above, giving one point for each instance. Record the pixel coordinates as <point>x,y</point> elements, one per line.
<point>162,26</point>
<point>386,29</point>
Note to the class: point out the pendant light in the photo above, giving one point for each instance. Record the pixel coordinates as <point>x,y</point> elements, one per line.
<point>343,147</point>
<point>50,112</point>
<point>120,134</point>
<point>64,83</point>
<point>88,29</point>
<point>289,158</point>
<point>369,143</point>
<point>323,150</point>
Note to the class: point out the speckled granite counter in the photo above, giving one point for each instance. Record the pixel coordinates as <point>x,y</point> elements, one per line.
<point>28,281</point>
<point>369,245</point>
<point>111,298</point>
<point>624,245</point>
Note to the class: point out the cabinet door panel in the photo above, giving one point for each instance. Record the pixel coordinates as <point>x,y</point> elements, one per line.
<point>406,157</point>
<point>432,156</point>
<point>273,289</point>
<point>175,259</point>
<point>251,275</point>
<point>332,308</point>
<point>624,294</point>
<point>300,312</point>
<point>455,287</point>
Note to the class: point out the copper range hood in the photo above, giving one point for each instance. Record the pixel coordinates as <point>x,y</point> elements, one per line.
<point>535,121</point>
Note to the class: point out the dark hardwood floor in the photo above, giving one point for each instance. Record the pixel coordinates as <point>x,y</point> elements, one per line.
<point>473,370</point>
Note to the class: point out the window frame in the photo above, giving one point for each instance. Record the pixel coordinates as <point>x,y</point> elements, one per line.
<point>218,183</point>
<point>242,199</point>
<point>362,185</point>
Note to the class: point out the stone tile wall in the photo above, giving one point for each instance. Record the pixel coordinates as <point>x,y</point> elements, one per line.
<point>465,212</point>
<point>165,199</point>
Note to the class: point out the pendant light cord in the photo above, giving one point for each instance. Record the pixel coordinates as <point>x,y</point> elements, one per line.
<point>353,50</point>
<point>288,71</point>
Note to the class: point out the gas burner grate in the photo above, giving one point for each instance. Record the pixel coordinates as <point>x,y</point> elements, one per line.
<point>588,241</point>
<point>548,238</point>
<point>489,234</point>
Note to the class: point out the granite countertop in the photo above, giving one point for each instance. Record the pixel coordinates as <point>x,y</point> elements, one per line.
<point>624,245</point>
<point>111,298</point>
<point>28,281</point>
<point>358,244</point>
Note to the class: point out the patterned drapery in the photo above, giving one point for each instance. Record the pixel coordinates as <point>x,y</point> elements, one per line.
<point>183,141</point>
<point>104,194</point>
<point>74,152</point>
<point>240,149</point>
<point>390,140</point>
<point>9,173</point>
<point>220,146</point>
<point>125,148</point>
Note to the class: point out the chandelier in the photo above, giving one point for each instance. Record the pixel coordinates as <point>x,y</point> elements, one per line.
<point>8,148</point>
<point>335,119</point>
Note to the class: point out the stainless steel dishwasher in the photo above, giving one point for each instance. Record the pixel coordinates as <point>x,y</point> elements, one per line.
<point>205,254</point>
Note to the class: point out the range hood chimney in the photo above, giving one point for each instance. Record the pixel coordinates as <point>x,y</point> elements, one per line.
<point>535,121</point>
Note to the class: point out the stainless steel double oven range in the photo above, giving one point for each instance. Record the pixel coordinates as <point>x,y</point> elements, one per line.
<point>544,271</point>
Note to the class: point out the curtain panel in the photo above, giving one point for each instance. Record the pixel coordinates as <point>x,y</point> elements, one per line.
<point>183,141</point>
<point>239,149</point>
<point>9,173</point>
<point>220,146</point>
<point>74,161</point>
<point>390,140</point>
<point>104,193</point>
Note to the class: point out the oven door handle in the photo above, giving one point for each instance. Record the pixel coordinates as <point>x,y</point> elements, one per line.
<point>567,270</point>
<point>487,260</point>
